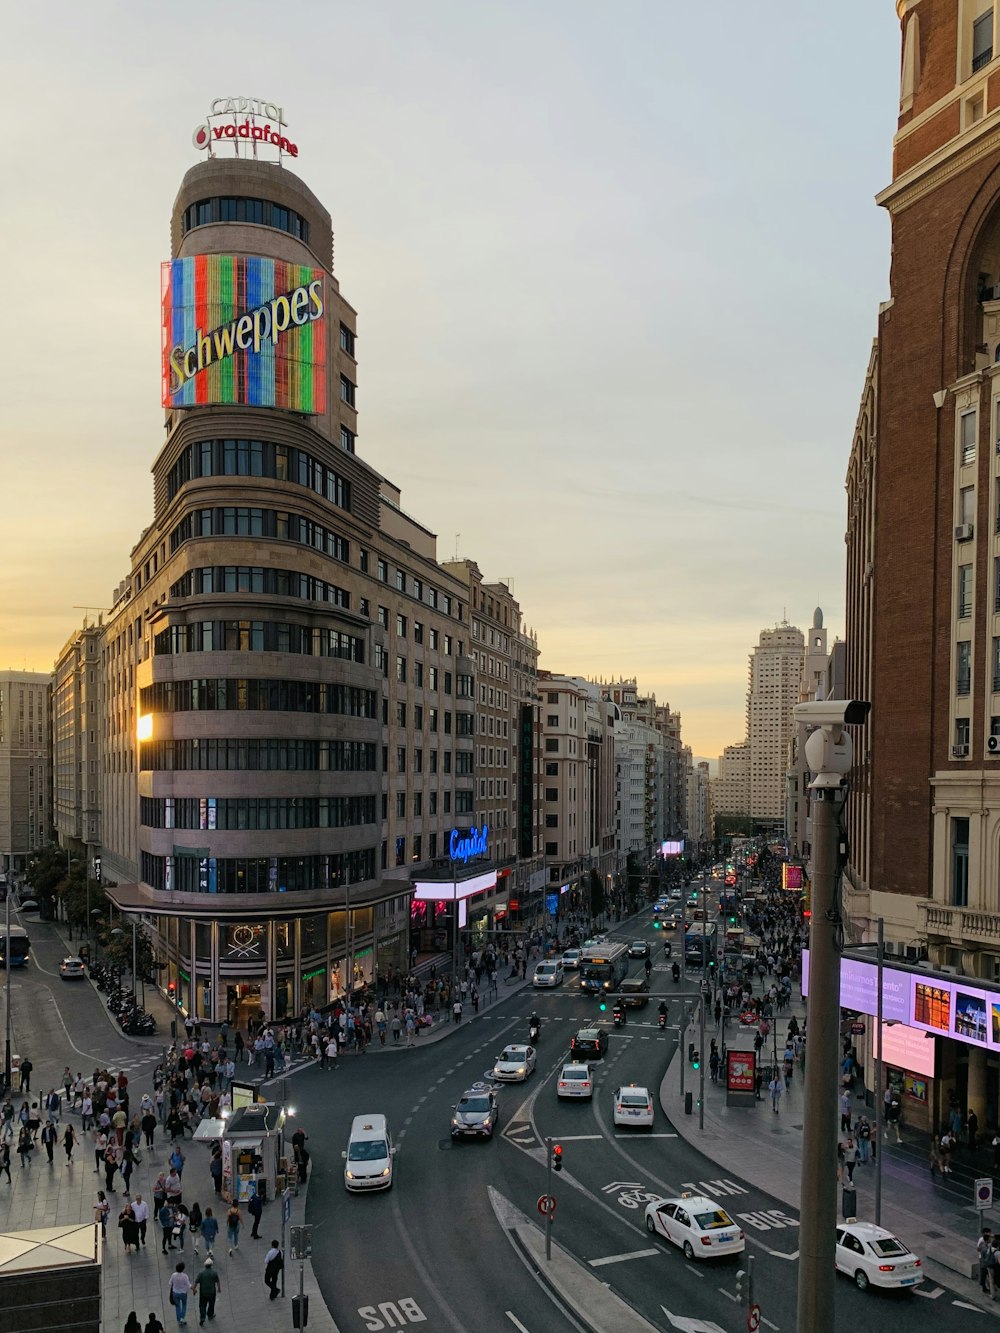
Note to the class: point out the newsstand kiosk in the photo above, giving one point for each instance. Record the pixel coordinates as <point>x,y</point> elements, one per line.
<point>252,1158</point>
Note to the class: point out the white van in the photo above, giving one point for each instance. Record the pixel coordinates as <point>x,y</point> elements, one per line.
<point>369,1154</point>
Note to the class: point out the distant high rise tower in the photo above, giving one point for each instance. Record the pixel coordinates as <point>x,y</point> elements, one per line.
<point>775,673</point>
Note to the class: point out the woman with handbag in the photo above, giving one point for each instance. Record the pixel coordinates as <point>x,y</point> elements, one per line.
<point>177,1293</point>
<point>25,1146</point>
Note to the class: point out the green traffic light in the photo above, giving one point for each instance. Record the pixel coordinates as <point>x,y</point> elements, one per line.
<point>696,1063</point>
<point>603,1006</point>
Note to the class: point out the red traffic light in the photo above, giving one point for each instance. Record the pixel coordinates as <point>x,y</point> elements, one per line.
<point>171,987</point>
<point>557,1157</point>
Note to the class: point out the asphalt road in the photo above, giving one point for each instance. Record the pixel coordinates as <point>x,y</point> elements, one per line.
<point>432,1246</point>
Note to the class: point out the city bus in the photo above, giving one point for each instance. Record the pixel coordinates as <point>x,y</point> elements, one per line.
<point>700,942</point>
<point>603,967</point>
<point>19,944</point>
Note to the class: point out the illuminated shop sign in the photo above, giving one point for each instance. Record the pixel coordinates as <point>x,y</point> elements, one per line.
<point>246,123</point>
<point>791,876</point>
<point>443,891</point>
<point>955,1009</point>
<point>672,847</point>
<point>464,846</point>
<point>243,329</point>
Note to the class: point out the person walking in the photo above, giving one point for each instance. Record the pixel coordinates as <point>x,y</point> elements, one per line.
<point>153,1325</point>
<point>148,1125</point>
<point>850,1159</point>
<point>234,1220</point>
<point>5,1161</point>
<point>215,1171</point>
<point>132,1324</point>
<point>775,1088</point>
<point>892,1118</point>
<point>984,1245</point>
<point>49,1139</point>
<point>26,1068</point>
<point>209,1230</point>
<point>207,1285</point>
<point>845,1112</point>
<point>255,1208</point>
<point>69,1143</point>
<point>129,1228</point>
<point>165,1217</point>
<point>178,1292</point>
<point>101,1210</point>
<point>273,1264</point>
<point>140,1211</point>
<point>25,1146</point>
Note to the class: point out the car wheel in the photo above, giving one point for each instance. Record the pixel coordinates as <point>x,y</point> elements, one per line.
<point>688,1250</point>
<point>650,1226</point>
<point>861,1280</point>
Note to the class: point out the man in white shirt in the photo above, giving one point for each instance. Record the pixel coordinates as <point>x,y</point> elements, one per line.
<point>140,1211</point>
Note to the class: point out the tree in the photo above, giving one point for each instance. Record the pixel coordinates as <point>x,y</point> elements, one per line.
<point>117,942</point>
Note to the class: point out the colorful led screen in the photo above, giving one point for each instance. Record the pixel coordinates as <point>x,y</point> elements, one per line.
<point>243,330</point>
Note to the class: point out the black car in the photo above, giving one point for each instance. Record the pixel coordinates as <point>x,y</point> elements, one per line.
<point>589,1044</point>
<point>638,949</point>
<point>635,992</point>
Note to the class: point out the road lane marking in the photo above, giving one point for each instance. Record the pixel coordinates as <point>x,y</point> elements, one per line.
<point>729,1295</point>
<point>576,1138</point>
<point>622,1135</point>
<point>622,1258</point>
<point>930,1295</point>
<point>515,1321</point>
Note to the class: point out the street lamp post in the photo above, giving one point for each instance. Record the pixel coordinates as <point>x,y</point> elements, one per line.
<point>7,972</point>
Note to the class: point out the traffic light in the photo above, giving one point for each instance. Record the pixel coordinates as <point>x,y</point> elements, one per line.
<point>172,990</point>
<point>557,1157</point>
<point>656,923</point>
<point>603,1005</point>
<point>694,1056</point>
<point>741,1285</point>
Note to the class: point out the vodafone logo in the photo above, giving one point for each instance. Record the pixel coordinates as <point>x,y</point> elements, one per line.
<point>202,136</point>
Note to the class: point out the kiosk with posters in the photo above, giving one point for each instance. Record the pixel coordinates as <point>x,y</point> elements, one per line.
<point>251,1152</point>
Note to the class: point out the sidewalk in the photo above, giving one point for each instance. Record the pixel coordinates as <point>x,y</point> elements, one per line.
<point>935,1216</point>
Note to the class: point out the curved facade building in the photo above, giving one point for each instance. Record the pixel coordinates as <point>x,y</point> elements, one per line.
<point>253,675</point>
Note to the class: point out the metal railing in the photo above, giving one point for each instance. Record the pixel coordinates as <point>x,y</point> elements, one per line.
<point>982,59</point>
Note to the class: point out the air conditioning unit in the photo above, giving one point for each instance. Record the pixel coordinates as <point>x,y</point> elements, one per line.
<point>951,971</point>
<point>964,531</point>
<point>960,751</point>
<point>993,744</point>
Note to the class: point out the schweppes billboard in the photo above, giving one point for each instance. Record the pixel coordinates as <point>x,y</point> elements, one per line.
<point>241,329</point>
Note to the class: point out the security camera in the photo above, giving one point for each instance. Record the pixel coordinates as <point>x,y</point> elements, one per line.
<point>832,712</point>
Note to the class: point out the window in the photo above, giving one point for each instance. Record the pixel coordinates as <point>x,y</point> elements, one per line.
<point>383,616</point>
<point>401,713</point>
<point>418,632</point>
<point>552,720</point>
<point>962,733</point>
<point>433,803</point>
<point>434,761</point>
<point>382,572</point>
<point>967,435</point>
<point>447,763</point>
<point>401,669</point>
<point>960,862</point>
<point>363,560</point>
<point>996,666</point>
<point>418,717</point>
<point>982,40</point>
<point>963,667</point>
<point>551,744</point>
<point>400,758</point>
<point>418,761</point>
<point>551,821</point>
<point>432,677</point>
<point>964,607</point>
<point>401,805</point>
<point>432,719</point>
<point>418,674</point>
<point>552,849</point>
<point>434,639</point>
<point>418,804</point>
<point>967,504</point>
<point>551,770</point>
<point>552,793</point>
<point>347,391</point>
<point>346,340</point>
<point>348,440</point>
<point>401,626</point>
<point>552,697</point>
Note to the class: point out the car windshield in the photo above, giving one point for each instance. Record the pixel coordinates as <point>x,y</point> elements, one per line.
<point>634,1099</point>
<point>474,1104</point>
<point>712,1221</point>
<point>545,967</point>
<point>887,1245</point>
<point>367,1150</point>
<point>513,1054</point>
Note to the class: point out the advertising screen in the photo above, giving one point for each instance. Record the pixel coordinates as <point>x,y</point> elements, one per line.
<point>243,330</point>
<point>907,1048</point>
<point>740,1070</point>
<point>955,1009</point>
<point>792,877</point>
<point>673,847</point>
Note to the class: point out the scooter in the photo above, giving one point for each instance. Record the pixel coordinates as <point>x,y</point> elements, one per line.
<point>534,1033</point>
<point>675,972</point>
<point>663,1019</point>
<point>618,1015</point>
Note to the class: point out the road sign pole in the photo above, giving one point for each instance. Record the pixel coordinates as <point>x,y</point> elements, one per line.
<point>701,1064</point>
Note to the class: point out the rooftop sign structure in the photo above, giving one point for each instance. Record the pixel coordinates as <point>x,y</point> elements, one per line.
<point>247,125</point>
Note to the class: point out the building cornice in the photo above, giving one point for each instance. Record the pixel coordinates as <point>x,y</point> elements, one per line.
<point>954,157</point>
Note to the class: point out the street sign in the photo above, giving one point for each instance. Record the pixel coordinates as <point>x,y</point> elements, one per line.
<point>984,1193</point>
<point>301,1242</point>
<point>546,1204</point>
<point>857,1029</point>
<point>753,1318</point>
<point>286,1205</point>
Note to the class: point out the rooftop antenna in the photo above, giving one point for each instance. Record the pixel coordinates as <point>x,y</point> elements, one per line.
<point>457,537</point>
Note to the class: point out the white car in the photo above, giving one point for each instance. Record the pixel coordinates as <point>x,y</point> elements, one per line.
<point>701,1228</point>
<point>548,974</point>
<point>571,959</point>
<point>575,1080</point>
<point>875,1257</point>
<point>514,1064</point>
<point>72,968</point>
<point>633,1107</point>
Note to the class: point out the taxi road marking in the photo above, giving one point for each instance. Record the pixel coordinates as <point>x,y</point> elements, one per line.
<point>621,1258</point>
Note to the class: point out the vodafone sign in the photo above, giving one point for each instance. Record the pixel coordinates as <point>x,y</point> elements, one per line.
<point>246,123</point>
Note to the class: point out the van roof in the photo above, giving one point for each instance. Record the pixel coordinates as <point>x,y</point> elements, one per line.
<point>369,1127</point>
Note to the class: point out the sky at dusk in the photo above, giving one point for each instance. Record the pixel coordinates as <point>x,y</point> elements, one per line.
<point>616,268</point>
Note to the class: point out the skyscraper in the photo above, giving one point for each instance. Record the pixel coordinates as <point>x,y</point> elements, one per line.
<point>773,691</point>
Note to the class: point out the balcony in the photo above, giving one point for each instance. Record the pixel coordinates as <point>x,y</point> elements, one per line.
<point>980,61</point>
<point>960,924</point>
<point>963,684</point>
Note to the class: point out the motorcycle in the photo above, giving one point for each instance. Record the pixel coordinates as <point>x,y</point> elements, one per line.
<point>534,1033</point>
<point>618,1015</point>
<point>675,972</point>
<point>662,1019</point>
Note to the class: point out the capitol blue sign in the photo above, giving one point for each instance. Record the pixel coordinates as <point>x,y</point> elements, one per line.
<point>463,847</point>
